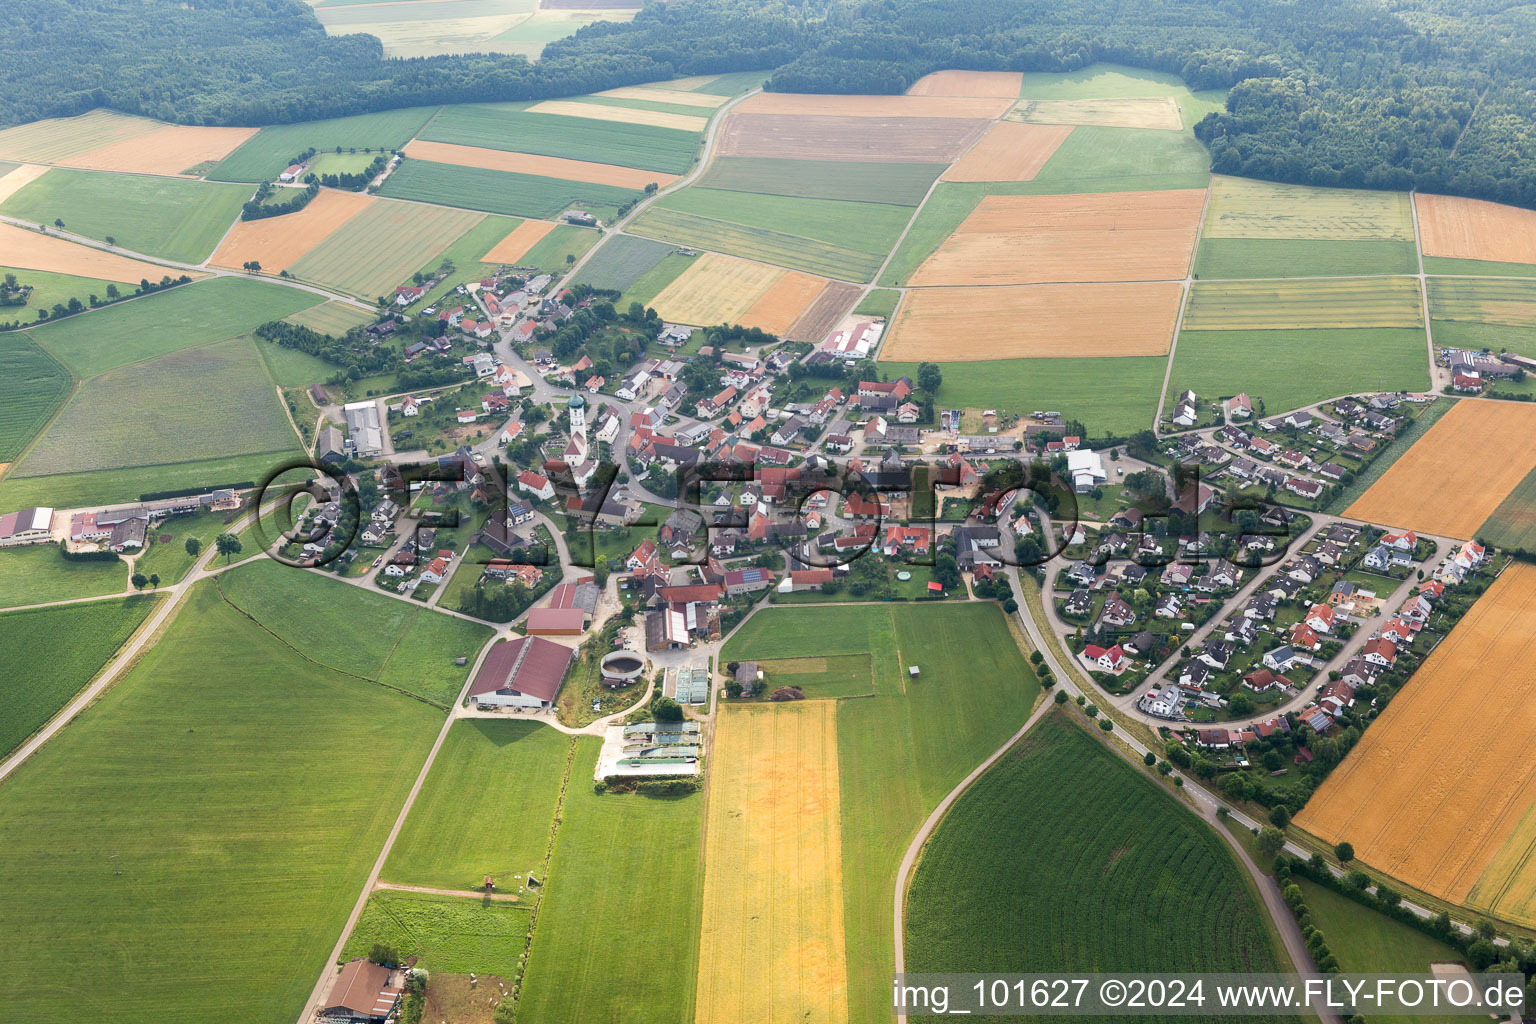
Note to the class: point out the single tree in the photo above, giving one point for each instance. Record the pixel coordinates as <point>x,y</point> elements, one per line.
<point>665,709</point>
<point>929,377</point>
<point>1279,816</point>
<point>1271,841</point>
<point>1149,759</point>
<point>58,222</point>
<point>1344,852</point>
<point>112,291</point>
<point>139,581</point>
<point>194,546</point>
<point>154,580</point>
<point>228,545</point>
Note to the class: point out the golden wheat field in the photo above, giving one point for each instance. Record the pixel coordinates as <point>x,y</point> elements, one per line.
<point>25,249</point>
<point>829,105</point>
<point>999,84</point>
<point>1414,798</point>
<point>13,182</point>
<point>784,302</point>
<point>1034,321</point>
<point>1245,208</point>
<point>771,948</point>
<point>171,150</point>
<point>1444,485</point>
<point>1300,304</point>
<point>1472,229</point>
<point>621,115</point>
<point>518,241</point>
<point>1010,151</point>
<point>1114,236</point>
<point>277,243</point>
<point>673,96</point>
<point>715,289</point>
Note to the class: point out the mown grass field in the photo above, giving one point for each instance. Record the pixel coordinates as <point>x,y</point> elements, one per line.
<point>198,777</point>
<point>1494,337</point>
<point>49,289</point>
<point>173,218</point>
<point>622,261</point>
<point>168,558</point>
<point>35,573</point>
<point>1479,268</point>
<point>858,181</point>
<point>32,384</point>
<point>1094,159</point>
<point>779,248</point>
<point>113,485</point>
<point>185,316</point>
<point>1284,305</point>
<point>865,226</point>
<point>507,126</point>
<point>974,689</point>
<point>618,930</point>
<point>506,192</point>
<point>879,302</point>
<point>382,246</point>
<point>1118,876</point>
<point>400,644</point>
<point>1076,387</point>
<point>272,148</point>
<point>51,653</point>
<point>1513,524</point>
<point>209,402</point>
<point>334,317</point>
<point>1290,369</point>
<point>451,934</point>
<point>550,253</point>
<point>1247,208</point>
<point>465,254</point>
<point>1302,257</point>
<point>58,138</point>
<point>487,807</point>
<point>654,281</point>
<point>1505,301</point>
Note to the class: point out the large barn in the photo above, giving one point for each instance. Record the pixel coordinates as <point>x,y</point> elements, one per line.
<point>521,673</point>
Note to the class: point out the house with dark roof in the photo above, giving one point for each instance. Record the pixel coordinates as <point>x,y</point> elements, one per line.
<point>522,673</point>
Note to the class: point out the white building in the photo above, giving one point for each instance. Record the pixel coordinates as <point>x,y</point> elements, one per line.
<point>1086,469</point>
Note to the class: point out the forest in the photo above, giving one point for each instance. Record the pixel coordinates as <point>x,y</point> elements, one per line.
<point>1353,93</point>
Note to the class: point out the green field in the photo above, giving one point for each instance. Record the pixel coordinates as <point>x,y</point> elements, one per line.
<point>901,750</point>
<point>1290,369</point>
<point>622,261</point>
<point>1284,305</point>
<point>382,246</point>
<point>1506,301</point>
<point>618,931</point>
<point>113,485</point>
<point>270,150</point>
<point>166,555</point>
<point>859,181</point>
<point>400,644</point>
<point>451,934</point>
<point>1247,208</point>
<point>32,384</point>
<point>1094,159</point>
<point>732,83</point>
<point>1108,395</point>
<point>1302,257</point>
<point>51,289</point>
<point>1105,80</point>
<point>1118,875</point>
<point>334,317</point>
<point>1513,524</point>
<point>464,254</point>
<point>173,218</point>
<point>51,653</point>
<point>36,573</point>
<point>637,104</point>
<point>225,779</point>
<point>1493,337</point>
<point>879,302</point>
<point>864,226</point>
<point>550,253</point>
<point>766,245</point>
<point>651,284</point>
<point>487,807</point>
<point>200,403</point>
<point>185,316</point>
<point>1479,268</point>
<point>507,192</point>
<point>507,126</point>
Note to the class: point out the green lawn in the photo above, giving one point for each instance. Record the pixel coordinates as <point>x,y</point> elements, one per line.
<point>618,930</point>
<point>113,485</point>
<point>507,126</point>
<point>900,751</point>
<point>356,631</point>
<point>487,807</point>
<point>1094,159</point>
<point>291,368</point>
<point>167,555</point>
<point>52,652</point>
<point>270,150</point>
<point>508,192</point>
<point>1303,257</point>
<point>173,218</point>
<point>32,385</point>
<point>1063,858</point>
<point>1290,369</point>
<point>221,807</point>
<point>183,317</point>
<point>37,573</point>
<point>1494,337</point>
<point>451,934</point>
<point>1107,395</point>
<point>879,302</point>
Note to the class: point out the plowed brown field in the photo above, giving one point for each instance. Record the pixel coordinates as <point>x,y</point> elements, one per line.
<point>1009,152</point>
<point>1447,484</point>
<point>1034,321</point>
<point>1472,229</point>
<point>279,242</point>
<point>880,139</point>
<point>823,315</point>
<point>1117,236</point>
<point>169,150</point>
<point>518,241</point>
<point>829,105</point>
<point>527,163</point>
<point>1412,797</point>
<point>1003,84</point>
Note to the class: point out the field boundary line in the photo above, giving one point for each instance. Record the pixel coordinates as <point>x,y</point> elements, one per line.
<point>1178,321</point>
<point>1418,248</point>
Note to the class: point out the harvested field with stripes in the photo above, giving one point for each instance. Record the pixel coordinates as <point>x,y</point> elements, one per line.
<point>878,139</point>
<point>882,107</point>
<point>504,192</point>
<point>383,245</point>
<point>962,324</point>
<point>622,261</point>
<point>998,84</point>
<point>510,127</point>
<point>622,115</point>
<point>776,247</point>
<point>784,302</point>
<point>714,290</point>
<point>33,250</point>
<point>1513,524</point>
<point>529,163</point>
<point>1408,799</point>
<point>1117,236</point>
<point>1412,494</point>
<point>1472,229</point>
<point>172,150</point>
<point>517,243</point>
<point>1285,305</point>
<point>1109,112</point>
<point>862,181</point>
<point>687,99</point>
<point>822,317</point>
<point>57,139</point>
<point>332,317</point>
<point>1009,152</point>
<point>773,875</point>
<point>1510,301</point>
<point>1245,208</point>
<point>277,243</point>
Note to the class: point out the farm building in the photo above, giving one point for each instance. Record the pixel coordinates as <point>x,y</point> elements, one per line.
<point>362,992</point>
<point>363,431</point>
<point>571,606</point>
<point>521,673</point>
<point>29,526</point>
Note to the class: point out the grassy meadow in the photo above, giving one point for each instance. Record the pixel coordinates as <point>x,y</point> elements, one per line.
<point>451,934</point>
<point>507,126</point>
<point>623,260</point>
<point>504,192</point>
<point>270,150</point>
<point>32,386</point>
